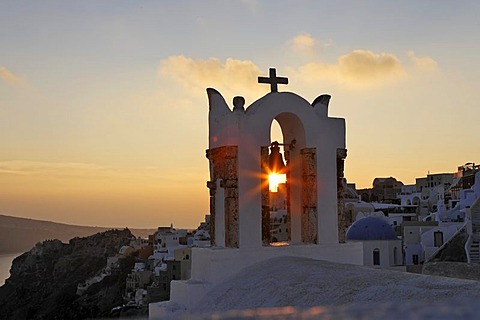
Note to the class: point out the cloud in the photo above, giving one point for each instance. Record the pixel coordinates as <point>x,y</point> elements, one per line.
<point>357,68</point>
<point>232,77</point>
<point>251,4</point>
<point>24,167</point>
<point>92,171</point>
<point>10,78</point>
<point>424,63</point>
<point>305,45</point>
<point>304,41</point>
<point>365,65</point>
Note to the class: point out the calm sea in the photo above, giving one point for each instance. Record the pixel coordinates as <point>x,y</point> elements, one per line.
<point>5,264</point>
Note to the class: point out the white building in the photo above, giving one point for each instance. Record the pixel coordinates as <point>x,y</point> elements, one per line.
<point>409,195</point>
<point>381,247</point>
<point>201,239</point>
<point>423,239</point>
<point>167,239</point>
<point>278,226</point>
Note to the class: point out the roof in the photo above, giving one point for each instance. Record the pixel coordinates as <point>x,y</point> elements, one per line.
<point>370,228</point>
<point>324,285</point>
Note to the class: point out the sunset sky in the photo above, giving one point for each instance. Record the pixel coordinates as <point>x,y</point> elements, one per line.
<point>103,109</point>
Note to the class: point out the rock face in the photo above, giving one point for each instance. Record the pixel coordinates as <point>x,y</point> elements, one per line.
<point>20,234</point>
<point>44,281</point>
<point>459,270</point>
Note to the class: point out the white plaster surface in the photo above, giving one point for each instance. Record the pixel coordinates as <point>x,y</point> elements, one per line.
<point>302,288</point>
<point>211,266</point>
<point>216,264</point>
<point>386,248</point>
<point>310,126</point>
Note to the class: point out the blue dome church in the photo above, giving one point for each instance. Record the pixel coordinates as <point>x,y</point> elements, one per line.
<point>370,228</point>
<point>381,247</point>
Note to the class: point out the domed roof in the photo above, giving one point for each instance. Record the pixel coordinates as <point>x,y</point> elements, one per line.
<point>370,228</point>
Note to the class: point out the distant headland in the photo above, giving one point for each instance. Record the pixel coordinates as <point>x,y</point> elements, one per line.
<point>21,234</point>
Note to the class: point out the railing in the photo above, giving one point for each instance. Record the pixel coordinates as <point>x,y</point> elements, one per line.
<point>468,216</point>
<point>469,224</point>
<point>467,248</point>
<point>445,243</point>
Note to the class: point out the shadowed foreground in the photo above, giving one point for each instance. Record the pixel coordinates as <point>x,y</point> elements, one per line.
<point>303,288</point>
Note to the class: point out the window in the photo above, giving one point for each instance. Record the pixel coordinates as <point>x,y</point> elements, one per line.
<point>415,258</point>
<point>438,238</point>
<point>376,257</point>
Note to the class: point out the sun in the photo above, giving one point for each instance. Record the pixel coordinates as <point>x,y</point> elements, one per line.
<point>275,179</point>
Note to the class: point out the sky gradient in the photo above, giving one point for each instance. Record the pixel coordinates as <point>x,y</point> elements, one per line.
<point>103,109</point>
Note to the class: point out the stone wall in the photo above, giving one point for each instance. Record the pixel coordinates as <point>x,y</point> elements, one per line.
<point>224,167</point>
<point>450,269</point>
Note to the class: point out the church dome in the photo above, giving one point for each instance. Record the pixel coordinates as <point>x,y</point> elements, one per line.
<point>370,228</point>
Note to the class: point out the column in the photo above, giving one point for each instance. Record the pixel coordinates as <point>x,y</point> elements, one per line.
<point>265,185</point>
<point>224,167</point>
<point>309,196</point>
<point>341,189</point>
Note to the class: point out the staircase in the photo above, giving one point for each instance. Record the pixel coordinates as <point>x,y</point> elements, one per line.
<point>474,249</point>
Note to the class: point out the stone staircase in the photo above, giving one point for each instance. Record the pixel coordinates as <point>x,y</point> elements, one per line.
<point>474,250</point>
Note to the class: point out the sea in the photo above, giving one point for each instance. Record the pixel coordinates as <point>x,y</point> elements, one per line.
<point>5,265</point>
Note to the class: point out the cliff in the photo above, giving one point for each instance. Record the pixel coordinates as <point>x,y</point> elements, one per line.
<point>20,234</point>
<point>44,280</point>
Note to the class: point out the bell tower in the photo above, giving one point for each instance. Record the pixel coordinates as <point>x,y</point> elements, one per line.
<point>241,156</point>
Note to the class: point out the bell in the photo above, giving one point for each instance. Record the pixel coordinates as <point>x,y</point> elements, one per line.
<point>276,163</point>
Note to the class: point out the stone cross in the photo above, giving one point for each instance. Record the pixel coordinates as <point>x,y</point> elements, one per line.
<point>273,80</point>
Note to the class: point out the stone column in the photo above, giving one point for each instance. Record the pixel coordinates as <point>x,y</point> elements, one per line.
<point>341,189</point>
<point>287,185</point>
<point>231,212</point>
<point>212,186</point>
<point>224,167</point>
<point>265,185</point>
<point>309,196</point>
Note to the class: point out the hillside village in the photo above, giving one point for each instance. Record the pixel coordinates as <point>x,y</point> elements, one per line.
<point>162,257</point>
<point>426,217</point>
<point>401,227</point>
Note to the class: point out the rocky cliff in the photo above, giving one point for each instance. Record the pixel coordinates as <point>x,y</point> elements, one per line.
<point>20,234</point>
<point>44,280</point>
